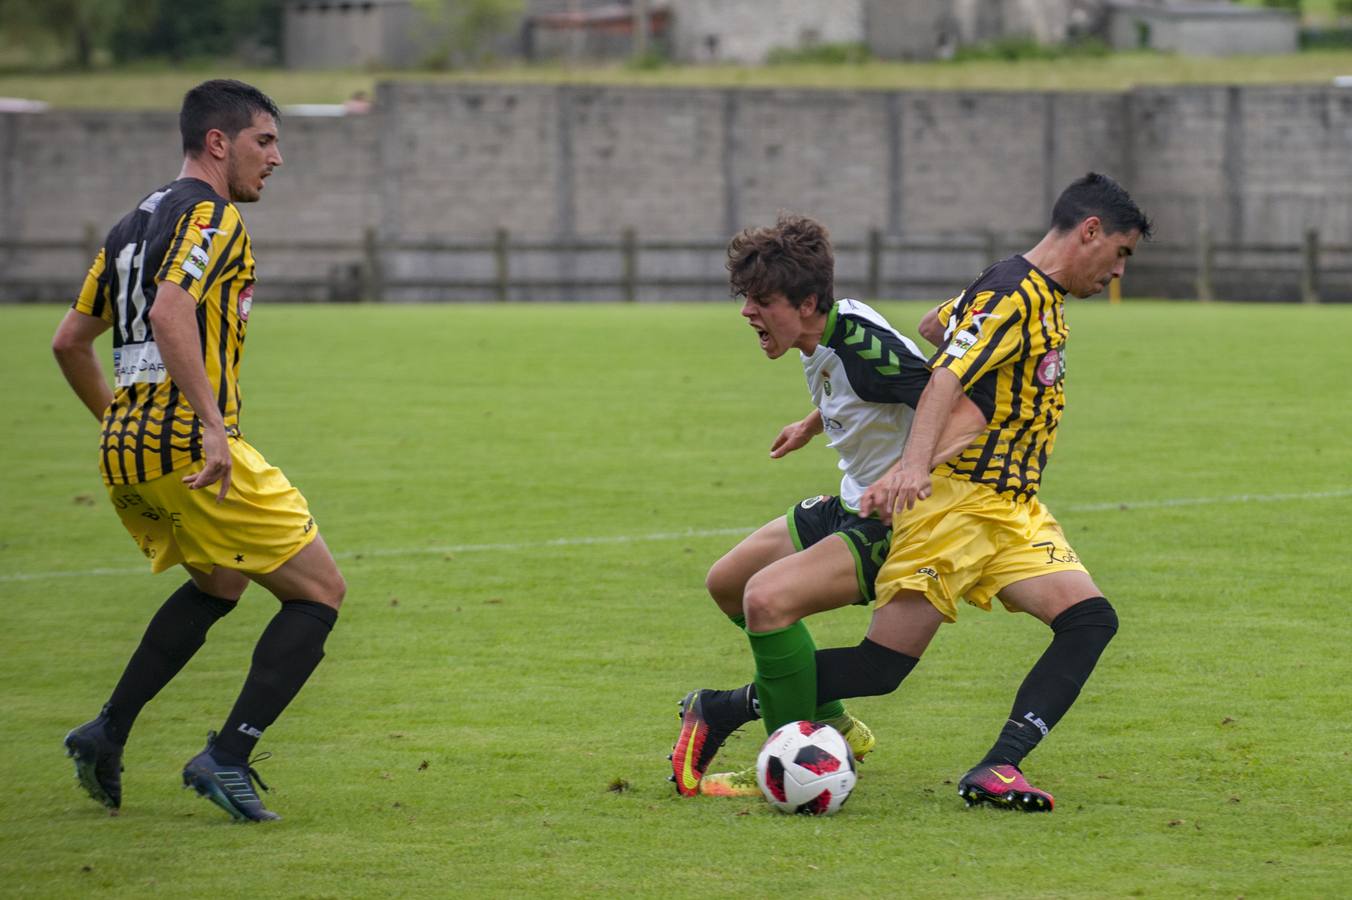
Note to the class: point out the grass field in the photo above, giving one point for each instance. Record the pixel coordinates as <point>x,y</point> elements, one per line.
<point>162,88</point>
<point>525,500</point>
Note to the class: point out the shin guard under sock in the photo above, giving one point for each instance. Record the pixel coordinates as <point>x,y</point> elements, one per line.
<point>1080,635</point>
<point>174,634</point>
<point>287,652</point>
<point>786,674</point>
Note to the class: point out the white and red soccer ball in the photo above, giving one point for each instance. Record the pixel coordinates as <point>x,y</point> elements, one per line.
<point>806,768</point>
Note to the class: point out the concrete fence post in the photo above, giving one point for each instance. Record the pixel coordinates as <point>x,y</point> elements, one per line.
<point>1205,259</point>
<point>91,241</point>
<point>502,263</point>
<point>1309,269</point>
<point>629,263</point>
<point>875,263</point>
<point>373,279</point>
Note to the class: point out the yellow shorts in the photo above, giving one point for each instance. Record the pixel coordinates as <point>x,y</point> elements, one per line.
<point>967,541</point>
<point>262,522</point>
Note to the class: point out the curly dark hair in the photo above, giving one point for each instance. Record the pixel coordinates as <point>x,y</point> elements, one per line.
<point>793,257</point>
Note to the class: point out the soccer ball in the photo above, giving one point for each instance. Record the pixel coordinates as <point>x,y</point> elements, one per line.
<point>806,768</point>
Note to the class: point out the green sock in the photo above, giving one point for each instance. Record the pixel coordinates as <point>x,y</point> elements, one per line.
<point>833,710</point>
<point>827,711</point>
<point>786,674</point>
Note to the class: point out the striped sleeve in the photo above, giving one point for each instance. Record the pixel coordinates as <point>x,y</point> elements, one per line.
<point>945,310</point>
<point>203,242</point>
<point>988,335</point>
<point>94,294</point>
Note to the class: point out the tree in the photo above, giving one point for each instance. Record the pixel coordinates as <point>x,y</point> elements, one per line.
<point>469,28</point>
<point>80,27</point>
<point>176,30</point>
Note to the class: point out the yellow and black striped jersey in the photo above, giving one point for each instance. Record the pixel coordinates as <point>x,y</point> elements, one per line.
<point>187,234</point>
<point>1004,337</point>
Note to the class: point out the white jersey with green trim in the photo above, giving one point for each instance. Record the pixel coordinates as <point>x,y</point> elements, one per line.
<point>865,378</point>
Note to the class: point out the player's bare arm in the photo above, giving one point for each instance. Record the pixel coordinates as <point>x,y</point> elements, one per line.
<point>174,320</point>
<point>797,434</point>
<point>73,346</point>
<point>930,328</point>
<point>909,479</point>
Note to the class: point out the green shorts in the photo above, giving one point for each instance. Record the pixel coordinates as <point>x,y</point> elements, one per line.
<point>820,517</point>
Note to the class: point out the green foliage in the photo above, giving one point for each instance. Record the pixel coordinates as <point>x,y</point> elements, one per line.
<point>467,30</point>
<point>169,29</point>
<point>129,30</point>
<point>80,27</point>
<point>1288,5</point>
<point>652,59</point>
<point>843,54</point>
<point>525,532</point>
<point>1016,49</point>
<point>1326,38</point>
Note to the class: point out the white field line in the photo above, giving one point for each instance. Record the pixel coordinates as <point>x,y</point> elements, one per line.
<point>450,549</point>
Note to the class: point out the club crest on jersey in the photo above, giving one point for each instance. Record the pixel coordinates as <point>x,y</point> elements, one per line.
<point>961,343</point>
<point>826,383</point>
<point>245,302</point>
<point>1051,368</point>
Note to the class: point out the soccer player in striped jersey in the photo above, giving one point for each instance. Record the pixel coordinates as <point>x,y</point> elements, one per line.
<point>175,282</point>
<point>864,379</point>
<point>975,529</point>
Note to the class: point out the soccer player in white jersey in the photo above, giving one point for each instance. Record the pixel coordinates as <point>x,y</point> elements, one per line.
<point>865,379</point>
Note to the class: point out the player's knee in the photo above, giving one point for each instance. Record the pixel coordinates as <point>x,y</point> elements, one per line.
<point>766,605</point>
<point>1095,613</point>
<point>332,591</point>
<point>725,585</point>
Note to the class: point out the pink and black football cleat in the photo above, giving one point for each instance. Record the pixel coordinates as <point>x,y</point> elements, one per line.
<point>1003,786</point>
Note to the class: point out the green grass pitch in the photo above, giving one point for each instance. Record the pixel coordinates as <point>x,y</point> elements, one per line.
<point>525,499</point>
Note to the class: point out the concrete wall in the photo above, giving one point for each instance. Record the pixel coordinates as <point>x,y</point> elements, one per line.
<point>746,31</point>
<point>1197,30</point>
<point>438,163</point>
<point>361,33</point>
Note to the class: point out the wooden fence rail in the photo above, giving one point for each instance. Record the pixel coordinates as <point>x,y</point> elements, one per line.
<point>363,269</point>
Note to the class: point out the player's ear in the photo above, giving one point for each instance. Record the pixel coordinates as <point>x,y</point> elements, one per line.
<point>808,308</point>
<point>216,143</point>
<point>1090,228</point>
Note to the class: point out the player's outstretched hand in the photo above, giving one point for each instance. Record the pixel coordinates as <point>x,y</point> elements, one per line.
<point>791,437</point>
<point>216,463</point>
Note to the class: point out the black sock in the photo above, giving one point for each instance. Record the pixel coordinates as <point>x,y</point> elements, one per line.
<point>726,711</point>
<point>287,652</point>
<point>867,670</point>
<point>1051,686</point>
<point>174,634</point>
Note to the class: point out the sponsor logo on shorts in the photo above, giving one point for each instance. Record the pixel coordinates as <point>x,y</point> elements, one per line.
<point>926,570</point>
<point>308,525</point>
<point>806,504</point>
<point>1057,554</point>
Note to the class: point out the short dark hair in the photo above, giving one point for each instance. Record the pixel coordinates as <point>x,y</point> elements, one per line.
<point>793,257</point>
<point>223,104</point>
<point>1099,195</point>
